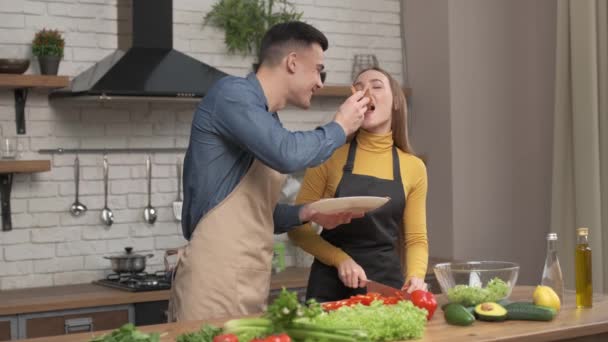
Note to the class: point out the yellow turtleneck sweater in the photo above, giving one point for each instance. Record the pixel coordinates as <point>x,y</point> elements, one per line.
<point>373,158</point>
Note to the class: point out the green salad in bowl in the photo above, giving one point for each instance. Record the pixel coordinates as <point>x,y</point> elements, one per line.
<point>474,282</point>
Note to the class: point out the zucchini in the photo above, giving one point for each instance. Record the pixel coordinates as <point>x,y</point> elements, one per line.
<point>526,311</point>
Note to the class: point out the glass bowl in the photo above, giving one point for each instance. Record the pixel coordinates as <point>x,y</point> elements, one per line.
<point>473,282</point>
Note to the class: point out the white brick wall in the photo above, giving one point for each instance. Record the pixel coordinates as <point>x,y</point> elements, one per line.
<point>50,247</point>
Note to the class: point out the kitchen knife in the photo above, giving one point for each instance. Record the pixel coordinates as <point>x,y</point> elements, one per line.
<point>385,290</point>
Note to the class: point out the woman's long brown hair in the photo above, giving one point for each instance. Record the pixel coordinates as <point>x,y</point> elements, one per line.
<point>399,112</point>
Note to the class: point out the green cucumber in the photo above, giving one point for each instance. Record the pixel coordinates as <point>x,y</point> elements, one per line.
<point>526,311</point>
<point>457,314</point>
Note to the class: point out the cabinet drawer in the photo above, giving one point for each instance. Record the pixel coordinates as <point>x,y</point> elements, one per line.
<point>8,328</point>
<point>5,331</point>
<point>74,321</point>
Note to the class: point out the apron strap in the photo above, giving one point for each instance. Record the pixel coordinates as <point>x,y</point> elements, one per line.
<point>350,161</point>
<point>396,166</point>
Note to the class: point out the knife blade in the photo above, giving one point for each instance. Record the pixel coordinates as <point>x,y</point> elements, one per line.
<point>385,290</point>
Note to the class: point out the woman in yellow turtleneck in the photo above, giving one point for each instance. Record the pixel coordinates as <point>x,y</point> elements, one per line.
<point>389,244</point>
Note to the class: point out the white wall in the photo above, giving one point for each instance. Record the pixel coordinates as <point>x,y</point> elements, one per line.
<point>48,246</point>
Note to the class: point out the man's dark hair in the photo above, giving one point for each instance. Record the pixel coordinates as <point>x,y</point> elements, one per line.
<point>288,34</point>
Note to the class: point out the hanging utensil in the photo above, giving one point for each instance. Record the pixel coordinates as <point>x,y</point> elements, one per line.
<point>149,211</point>
<point>77,208</point>
<point>177,205</point>
<point>107,217</point>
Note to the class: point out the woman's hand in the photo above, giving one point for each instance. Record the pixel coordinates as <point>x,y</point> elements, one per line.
<point>414,284</point>
<point>351,274</point>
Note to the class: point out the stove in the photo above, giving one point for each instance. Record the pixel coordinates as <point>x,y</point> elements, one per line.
<point>137,282</point>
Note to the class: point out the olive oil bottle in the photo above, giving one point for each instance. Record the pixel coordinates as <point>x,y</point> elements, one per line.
<point>584,287</point>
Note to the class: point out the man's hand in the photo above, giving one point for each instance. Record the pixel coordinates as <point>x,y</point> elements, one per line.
<point>414,284</point>
<point>351,112</point>
<point>351,274</point>
<point>327,221</point>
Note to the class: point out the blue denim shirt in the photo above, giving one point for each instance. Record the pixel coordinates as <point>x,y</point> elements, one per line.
<point>231,127</point>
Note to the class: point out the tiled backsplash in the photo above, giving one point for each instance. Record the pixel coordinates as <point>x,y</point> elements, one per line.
<point>50,247</point>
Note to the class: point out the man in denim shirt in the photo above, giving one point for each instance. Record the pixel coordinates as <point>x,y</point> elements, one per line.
<point>233,170</point>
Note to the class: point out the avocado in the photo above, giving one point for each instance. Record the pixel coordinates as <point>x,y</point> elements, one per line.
<point>456,314</point>
<point>490,311</point>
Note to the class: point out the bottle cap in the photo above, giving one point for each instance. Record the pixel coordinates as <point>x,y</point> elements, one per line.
<point>552,236</point>
<point>582,231</point>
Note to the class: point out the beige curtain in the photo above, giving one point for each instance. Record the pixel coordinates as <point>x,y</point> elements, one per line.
<point>580,156</point>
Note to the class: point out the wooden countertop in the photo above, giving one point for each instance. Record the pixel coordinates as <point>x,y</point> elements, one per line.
<point>65,297</point>
<point>570,323</point>
<point>90,295</point>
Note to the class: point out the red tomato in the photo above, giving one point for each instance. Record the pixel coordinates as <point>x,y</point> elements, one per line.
<point>274,338</point>
<point>226,338</point>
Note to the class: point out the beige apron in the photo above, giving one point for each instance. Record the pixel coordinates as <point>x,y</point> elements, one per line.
<point>225,269</point>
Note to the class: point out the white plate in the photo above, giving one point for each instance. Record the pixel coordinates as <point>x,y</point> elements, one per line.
<point>354,204</point>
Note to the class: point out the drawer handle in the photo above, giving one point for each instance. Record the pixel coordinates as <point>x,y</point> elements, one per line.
<point>78,325</point>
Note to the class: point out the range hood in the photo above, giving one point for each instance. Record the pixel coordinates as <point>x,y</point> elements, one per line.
<point>150,69</point>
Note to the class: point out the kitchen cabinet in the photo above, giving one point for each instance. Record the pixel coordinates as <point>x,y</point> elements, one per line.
<point>74,321</point>
<point>8,328</point>
<point>148,313</point>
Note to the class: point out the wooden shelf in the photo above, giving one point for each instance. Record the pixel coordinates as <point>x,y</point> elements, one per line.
<point>7,169</point>
<point>344,91</point>
<point>24,166</point>
<point>33,81</point>
<point>20,84</point>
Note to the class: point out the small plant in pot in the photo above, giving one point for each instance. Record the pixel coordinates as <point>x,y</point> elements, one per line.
<point>246,21</point>
<point>48,47</point>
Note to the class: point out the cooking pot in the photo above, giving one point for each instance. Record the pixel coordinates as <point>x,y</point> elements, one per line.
<point>129,262</point>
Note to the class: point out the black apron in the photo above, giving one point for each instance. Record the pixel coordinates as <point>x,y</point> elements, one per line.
<point>375,241</point>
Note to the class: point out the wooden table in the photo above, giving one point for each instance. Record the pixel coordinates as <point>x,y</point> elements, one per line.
<point>78,296</point>
<point>571,323</point>
<point>52,298</point>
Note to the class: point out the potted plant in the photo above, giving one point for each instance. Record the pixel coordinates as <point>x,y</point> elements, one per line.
<point>48,47</point>
<point>246,21</point>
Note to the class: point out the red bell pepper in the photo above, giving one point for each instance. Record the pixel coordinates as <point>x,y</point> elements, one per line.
<point>425,300</point>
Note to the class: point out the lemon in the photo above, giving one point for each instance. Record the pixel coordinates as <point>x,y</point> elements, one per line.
<point>545,296</point>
